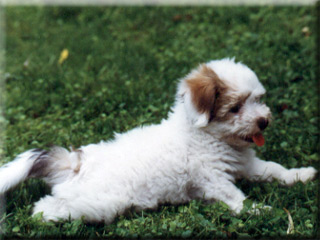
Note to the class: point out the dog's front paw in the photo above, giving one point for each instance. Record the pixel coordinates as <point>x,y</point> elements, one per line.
<point>299,174</point>
<point>307,174</point>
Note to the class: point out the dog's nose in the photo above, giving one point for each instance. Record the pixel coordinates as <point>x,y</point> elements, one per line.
<point>262,123</point>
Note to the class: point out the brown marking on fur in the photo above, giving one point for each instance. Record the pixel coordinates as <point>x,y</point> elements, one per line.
<point>206,87</point>
<point>79,155</point>
<point>39,168</point>
<point>79,151</point>
<point>77,169</point>
<point>227,102</point>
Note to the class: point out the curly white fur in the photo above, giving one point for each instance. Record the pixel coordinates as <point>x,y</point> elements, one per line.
<point>194,154</point>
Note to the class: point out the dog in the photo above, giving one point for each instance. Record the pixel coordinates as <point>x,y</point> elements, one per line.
<point>198,152</point>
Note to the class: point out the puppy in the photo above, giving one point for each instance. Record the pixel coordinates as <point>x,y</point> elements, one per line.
<point>198,152</point>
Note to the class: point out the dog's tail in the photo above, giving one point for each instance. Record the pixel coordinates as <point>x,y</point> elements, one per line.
<point>54,166</point>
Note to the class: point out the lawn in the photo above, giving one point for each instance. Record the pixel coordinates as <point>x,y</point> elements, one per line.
<point>121,71</point>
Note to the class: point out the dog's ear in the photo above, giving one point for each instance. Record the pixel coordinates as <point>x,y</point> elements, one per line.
<point>203,89</point>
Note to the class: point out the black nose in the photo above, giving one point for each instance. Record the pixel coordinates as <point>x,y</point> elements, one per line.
<point>262,123</point>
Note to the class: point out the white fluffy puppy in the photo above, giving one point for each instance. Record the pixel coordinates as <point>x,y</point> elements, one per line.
<point>197,153</point>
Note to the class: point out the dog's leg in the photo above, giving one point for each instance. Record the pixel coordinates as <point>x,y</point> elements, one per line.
<point>53,209</point>
<point>91,208</point>
<point>224,190</point>
<point>259,170</point>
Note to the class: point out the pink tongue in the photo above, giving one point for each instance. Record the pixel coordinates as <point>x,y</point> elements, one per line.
<point>258,139</point>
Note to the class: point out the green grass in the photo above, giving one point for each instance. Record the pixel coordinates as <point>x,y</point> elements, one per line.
<point>122,71</point>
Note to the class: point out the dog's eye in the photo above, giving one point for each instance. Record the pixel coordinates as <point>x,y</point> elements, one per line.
<point>235,109</point>
<point>258,99</point>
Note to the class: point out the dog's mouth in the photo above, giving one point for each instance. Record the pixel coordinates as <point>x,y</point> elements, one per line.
<point>257,138</point>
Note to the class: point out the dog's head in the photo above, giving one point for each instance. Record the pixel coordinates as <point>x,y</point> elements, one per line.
<point>223,98</point>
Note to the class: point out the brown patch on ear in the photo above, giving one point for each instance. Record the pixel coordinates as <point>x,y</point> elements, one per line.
<point>205,87</point>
